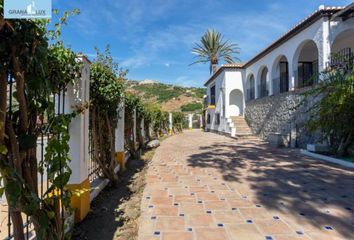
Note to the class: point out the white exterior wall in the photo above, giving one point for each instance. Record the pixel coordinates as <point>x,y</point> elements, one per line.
<point>322,32</point>
<point>119,131</point>
<point>78,94</point>
<point>234,80</point>
<point>338,27</point>
<point>218,83</point>
<point>228,80</point>
<point>291,50</point>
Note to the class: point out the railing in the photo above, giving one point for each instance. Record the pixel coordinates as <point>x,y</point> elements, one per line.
<point>276,85</point>
<point>44,134</point>
<point>344,60</point>
<point>92,166</point>
<point>284,85</point>
<point>250,93</point>
<point>262,90</point>
<point>306,81</point>
<point>280,85</point>
<point>307,75</point>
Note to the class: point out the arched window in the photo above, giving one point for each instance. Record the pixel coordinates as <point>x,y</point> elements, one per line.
<point>342,55</point>
<point>250,94</point>
<point>307,64</point>
<point>263,88</point>
<point>236,107</point>
<point>280,76</point>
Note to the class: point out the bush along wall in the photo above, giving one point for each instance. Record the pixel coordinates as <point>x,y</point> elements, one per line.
<point>131,103</point>
<point>33,74</point>
<point>333,113</point>
<point>36,71</point>
<point>106,93</point>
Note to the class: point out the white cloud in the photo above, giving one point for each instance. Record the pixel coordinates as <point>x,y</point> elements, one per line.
<point>135,62</point>
<point>157,34</point>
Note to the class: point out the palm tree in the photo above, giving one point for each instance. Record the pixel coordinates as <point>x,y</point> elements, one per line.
<point>212,48</point>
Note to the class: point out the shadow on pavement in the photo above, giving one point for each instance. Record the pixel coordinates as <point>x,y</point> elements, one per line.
<point>286,181</point>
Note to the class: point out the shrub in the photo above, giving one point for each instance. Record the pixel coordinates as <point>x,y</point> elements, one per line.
<point>333,114</point>
<point>192,107</point>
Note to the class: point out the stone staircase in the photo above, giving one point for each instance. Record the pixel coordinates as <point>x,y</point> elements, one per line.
<point>241,126</point>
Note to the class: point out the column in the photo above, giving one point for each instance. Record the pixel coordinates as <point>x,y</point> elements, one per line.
<point>270,82</point>
<point>170,124</point>
<point>79,184</point>
<point>292,75</point>
<point>142,127</point>
<point>256,88</point>
<point>293,134</point>
<point>134,130</point>
<point>119,141</point>
<point>201,120</point>
<point>190,121</point>
<point>326,45</point>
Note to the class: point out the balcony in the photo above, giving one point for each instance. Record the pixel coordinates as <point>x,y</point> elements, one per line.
<point>343,60</point>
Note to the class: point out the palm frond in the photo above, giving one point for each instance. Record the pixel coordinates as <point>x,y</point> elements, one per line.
<point>213,48</point>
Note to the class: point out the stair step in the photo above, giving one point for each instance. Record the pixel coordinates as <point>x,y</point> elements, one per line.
<point>242,128</point>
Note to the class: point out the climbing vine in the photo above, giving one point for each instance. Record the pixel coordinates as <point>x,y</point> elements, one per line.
<point>178,119</point>
<point>132,103</point>
<point>106,93</point>
<point>141,113</point>
<point>39,71</point>
<point>153,118</point>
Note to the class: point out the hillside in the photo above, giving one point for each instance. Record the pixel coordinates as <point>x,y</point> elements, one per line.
<point>170,97</point>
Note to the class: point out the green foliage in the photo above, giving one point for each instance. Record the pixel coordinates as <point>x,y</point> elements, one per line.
<point>132,102</point>
<point>106,82</point>
<point>40,70</point>
<point>212,49</point>
<point>63,65</point>
<point>161,91</point>
<point>156,118</point>
<point>57,153</point>
<point>333,114</point>
<point>3,149</point>
<point>179,120</point>
<point>200,92</point>
<point>192,107</point>
<point>106,94</point>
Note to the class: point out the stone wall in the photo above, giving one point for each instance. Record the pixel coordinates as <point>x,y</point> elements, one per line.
<point>282,113</point>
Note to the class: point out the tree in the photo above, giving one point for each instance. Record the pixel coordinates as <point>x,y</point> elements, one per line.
<point>106,93</point>
<point>212,49</point>
<point>132,103</point>
<point>178,121</point>
<point>40,66</point>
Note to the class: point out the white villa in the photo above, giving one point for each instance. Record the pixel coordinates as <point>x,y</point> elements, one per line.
<point>249,91</point>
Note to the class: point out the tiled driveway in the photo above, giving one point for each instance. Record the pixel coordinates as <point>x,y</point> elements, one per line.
<point>208,187</point>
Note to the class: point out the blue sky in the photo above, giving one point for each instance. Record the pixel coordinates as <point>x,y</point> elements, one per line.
<point>153,38</point>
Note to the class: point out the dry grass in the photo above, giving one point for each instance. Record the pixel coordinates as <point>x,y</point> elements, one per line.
<point>115,212</point>
<point>176,104</point>
<point>131,207</point>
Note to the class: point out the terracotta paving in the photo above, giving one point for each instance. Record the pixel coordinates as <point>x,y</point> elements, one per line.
<point>206,186</point>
